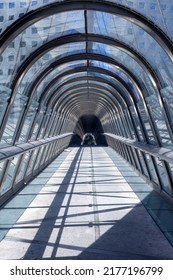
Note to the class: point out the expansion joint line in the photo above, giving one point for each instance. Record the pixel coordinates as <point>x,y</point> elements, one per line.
<point>95,205</point>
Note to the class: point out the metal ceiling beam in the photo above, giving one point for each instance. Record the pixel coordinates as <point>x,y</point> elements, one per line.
<point>75,38</point>
<point>108,7</point>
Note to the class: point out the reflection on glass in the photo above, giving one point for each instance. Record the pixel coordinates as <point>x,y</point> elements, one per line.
<point>13,118</point>
<point>38,123</point>
<point>162,175</point>
<point>37,163</point>
<point>1,169</point>
<point>170,166</point>
<point>9,175</point>
<point>151,169</point>
<point>28,121</point>
<point>167,94</point>
<point>130,125</point>
<point>132,34</point>
<point>36,35</point>
<point>136,121</point>
<point>5,93</point>
<point>43,160</point>
<point>129,62</point>
<point>142,162</point>
<point>31,161</point>
<point>146,122</point>
<point>22,168</point>
<point>156,114</point>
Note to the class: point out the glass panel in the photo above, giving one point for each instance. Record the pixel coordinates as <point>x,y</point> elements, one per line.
<point>136,121</point>
<point>158,119</point>
<point>50,152</point>
<point>159,12</point>
<point>151,169</point>
<point>162,175</point>
<point>22,168</point>
<point>44,126</point>
<point>45,61</point>
<point>129,123</point>
<point>142,162</point>
<point>146,123</point>
<point>129,62</point>
<point>136,159</point>
<point>11,171</point>
<point>167,94</point>
<point>15,113</point>
<point>28,121</point>
<point>2,163</point>
<point>38,123</point>
<point>57,71</point>
<point>44,155</point>
<point>31,162</point>
<point>4,95</point>
<point>37,163</point>
<point>36,35</point>
<point>54,125</point>
<point>171,172</point>
<point>50,125</point>
<point>132,34</point>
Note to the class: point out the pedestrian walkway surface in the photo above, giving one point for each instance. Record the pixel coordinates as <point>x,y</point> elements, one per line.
<point>87,204</point>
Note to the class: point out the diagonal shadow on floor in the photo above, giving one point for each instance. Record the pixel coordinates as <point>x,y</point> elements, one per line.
<point>135,235</point>
<point>45,229</point>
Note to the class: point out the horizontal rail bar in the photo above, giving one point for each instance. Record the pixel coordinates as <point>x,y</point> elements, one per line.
<point>9,152</point>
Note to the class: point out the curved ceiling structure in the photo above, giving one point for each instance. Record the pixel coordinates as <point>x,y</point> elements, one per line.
<point>71,66</point>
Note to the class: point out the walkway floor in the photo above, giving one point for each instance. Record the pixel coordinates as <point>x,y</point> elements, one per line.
<point>88,204</point>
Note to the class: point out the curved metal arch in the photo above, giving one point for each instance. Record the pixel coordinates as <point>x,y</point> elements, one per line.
<point>65,98</point>
<point>83,69</point>
<point>103,71</point>
<point>71,58</point>
<point>77,103</point>
<point>108,112</point>
<point>141,123</point>
<point>42,76</point>
<point>103,6</point>
<point>102,105</point>
<point>84,103</point>
<point>58,96</point>
<point>136,108</point>
<point>89,79</point>
<point>71,71</point>
<point>77,92</point>
<point>113,107</point>
<point>161,104</point>
<point>77,38</point>
<point>102,58</point>
<point>91,57</point>
<point>143,131</point>
<point>107,72</point>
<point>71,79</point>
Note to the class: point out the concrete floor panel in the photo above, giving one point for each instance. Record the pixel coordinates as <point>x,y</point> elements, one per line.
<point>87,204</point>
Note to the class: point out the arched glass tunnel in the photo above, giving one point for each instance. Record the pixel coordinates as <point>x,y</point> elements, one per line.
<point>68,68</point>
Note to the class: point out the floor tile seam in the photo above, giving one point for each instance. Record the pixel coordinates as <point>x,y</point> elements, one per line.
<point>155,218</point>
<point>119,186</point>
<point>22,212</point>
<point>123,177</point>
